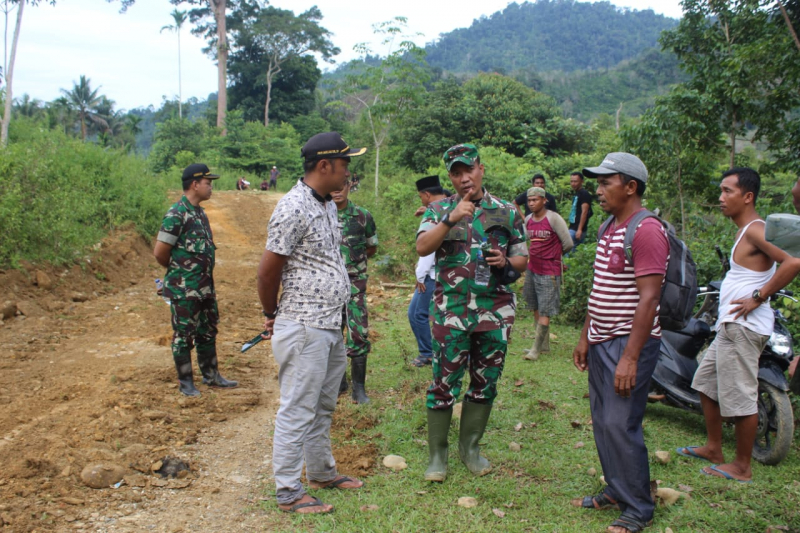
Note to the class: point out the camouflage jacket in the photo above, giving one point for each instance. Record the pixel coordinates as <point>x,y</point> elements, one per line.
<point>190,274</point>
<point>358,234</point>
<point>458,301</point>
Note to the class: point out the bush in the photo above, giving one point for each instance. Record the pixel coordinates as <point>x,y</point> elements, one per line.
<point>59,195</point>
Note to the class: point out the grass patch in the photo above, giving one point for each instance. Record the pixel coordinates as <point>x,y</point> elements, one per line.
<point>531,487</point>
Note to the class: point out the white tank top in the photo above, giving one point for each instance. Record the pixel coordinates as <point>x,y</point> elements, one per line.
<point>739,283</point>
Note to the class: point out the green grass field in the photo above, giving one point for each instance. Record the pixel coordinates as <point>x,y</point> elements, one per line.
<point>541,406</point>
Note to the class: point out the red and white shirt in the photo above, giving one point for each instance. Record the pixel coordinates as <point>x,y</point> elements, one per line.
<point>614,296</point>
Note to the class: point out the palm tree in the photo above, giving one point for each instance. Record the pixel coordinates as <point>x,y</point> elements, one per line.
<point>85,100</point>
<point>179,17</point>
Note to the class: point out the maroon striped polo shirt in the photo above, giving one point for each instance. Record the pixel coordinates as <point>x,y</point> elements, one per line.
<point>614,295</point>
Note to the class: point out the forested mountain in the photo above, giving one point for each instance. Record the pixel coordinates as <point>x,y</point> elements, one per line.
<point>549,35</point>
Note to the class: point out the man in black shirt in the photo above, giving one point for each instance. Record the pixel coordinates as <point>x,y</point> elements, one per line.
<point>581,210</point>
<point>521,201</point>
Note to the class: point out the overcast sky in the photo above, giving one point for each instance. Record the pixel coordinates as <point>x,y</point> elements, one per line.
<point>136,65</point>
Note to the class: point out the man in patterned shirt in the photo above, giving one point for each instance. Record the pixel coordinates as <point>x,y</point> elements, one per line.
<point>303,256</point>
<point>473,308</point>
<point>185,246</point>
<point>359,242</point>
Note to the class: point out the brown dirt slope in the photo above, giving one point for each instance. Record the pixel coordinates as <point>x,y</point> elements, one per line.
<point>86,376</point>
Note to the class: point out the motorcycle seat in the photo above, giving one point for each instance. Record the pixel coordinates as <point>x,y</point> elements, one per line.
<point>697,328</point>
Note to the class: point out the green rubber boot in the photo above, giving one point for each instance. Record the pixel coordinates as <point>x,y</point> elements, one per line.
<point>438,428</point>
<point>474,417</point>
<point>543,338</point>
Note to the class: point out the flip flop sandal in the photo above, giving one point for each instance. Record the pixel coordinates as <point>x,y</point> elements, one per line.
<point>599,501</point>
<point>722,474</point>
<point>338,481</point>
<point>690,452</point>
<point>315,503</point>
<point>631,524</point>
<point>420,361</point>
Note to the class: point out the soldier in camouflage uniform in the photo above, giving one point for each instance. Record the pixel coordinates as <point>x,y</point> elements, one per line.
<point>471,320</point>
<point>185,246</point>
<point>359,242</point>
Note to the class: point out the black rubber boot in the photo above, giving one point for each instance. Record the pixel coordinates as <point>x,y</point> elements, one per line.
<point>185,378</point>
<point>358,372</point>
<point>207,360</point>
<point>438,428</point>
<point>474,417</point>
<point>344,385</point>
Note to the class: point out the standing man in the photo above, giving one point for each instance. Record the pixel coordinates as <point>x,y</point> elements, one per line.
<point>521,201</point>
<point>727,377</point>
<point>581,210</point>
<point>303,255</point>
<point>185,246</point>
<point>429,190</point>
<point>473,307</point>
<point>273,177</point>
<point>620,341</point>
<point>359,242</point>
<point>549,238</point>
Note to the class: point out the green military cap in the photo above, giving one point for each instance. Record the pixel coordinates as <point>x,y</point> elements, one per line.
<point>461,153</point>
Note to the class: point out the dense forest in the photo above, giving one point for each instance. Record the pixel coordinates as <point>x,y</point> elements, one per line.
<point>549,35</point>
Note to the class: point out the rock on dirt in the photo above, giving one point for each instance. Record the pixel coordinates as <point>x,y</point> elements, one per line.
<point>662,457</point>
<point>8,310</point>
<point>42,280</point>
<point>102,475</point>
<point>395,462</point>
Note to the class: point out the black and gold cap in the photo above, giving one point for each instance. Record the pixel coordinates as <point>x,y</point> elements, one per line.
<point>197,171</point>
<point>328,145</point>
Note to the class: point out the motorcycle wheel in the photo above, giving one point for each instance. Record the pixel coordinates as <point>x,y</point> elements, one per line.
<point>775,425</point>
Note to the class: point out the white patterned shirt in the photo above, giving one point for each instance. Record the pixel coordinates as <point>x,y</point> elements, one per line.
<point>304,227</point>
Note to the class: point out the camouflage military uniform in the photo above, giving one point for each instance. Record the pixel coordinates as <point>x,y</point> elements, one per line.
<point>358,234</point>
<point>189,281</point>
<point>471,323</point>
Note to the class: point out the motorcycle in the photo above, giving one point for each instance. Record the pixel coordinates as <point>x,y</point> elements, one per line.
<point>678,360</point>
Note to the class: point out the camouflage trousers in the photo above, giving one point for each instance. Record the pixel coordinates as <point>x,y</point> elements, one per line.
<point>357,320</point>
<point>194,322</point>
<point>455,350</point>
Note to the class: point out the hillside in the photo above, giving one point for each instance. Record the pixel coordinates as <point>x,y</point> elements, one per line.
<point>549,35</point>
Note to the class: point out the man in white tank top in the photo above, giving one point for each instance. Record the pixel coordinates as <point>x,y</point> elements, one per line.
<point>727,378</point>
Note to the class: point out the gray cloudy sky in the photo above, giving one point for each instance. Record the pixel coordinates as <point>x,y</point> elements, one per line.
<point>136,65</point>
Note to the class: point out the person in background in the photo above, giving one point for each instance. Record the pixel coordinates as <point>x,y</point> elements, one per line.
<point>359,243</point>
<point>273,178</point>
<point>185,246</point>
<point>264,185</point>
<point>303,257</point>
<point>521,201</point>
<point>242,184</point>
<point>581,210</point>
<point>429,190</point>
<point>548,238</point>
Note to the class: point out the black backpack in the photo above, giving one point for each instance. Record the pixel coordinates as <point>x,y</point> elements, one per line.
<point>679,292</point>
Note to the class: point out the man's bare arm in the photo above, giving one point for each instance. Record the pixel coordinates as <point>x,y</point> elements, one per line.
<point>269,281</point>
<point>162,252</point>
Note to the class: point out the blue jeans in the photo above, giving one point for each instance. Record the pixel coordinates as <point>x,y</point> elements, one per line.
<point>418,312</point>
<point>575,243</point>
<point>617,424</point>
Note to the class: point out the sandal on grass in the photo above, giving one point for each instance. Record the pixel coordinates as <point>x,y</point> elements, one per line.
<point>316,502</point>
<point>633,525</point>
<point>599,501</point>
<point>336,484</point>
<point>420,361</point>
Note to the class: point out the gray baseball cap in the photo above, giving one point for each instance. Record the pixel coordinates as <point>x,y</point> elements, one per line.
<point>619,162</point>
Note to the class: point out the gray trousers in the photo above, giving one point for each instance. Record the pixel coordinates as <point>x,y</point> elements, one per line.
<point>617,424</point>
<point>311,364</point>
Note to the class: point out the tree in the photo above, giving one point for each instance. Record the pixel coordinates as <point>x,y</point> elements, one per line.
<point>387,89</point>
<point>217,34</point>
<point>9,74</point>
<point>743,61</point>
<point>179,17</point>
<point>278,36</point>
<point>676,138</point>
<point>85,100</point>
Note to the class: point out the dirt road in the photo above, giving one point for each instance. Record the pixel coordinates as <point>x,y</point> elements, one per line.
<point>86,376</point>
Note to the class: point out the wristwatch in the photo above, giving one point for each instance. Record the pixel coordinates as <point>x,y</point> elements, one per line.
<point>447,222</point>
<point>271,316</point>
<point>757,296</point>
